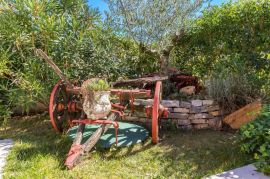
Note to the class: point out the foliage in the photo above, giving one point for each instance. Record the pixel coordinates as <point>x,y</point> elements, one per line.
<point>49,25</point>
<point>255,139</point>
<point>153,25</point>
<point>152,22</point>
<point>229,36</point>
<point>98,85</point>
<point>228,85</point>
<point>68,31</point>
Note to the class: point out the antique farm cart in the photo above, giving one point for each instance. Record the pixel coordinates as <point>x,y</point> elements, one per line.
<point>66,110</point>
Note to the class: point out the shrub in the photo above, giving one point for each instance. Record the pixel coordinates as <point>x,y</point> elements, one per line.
<point>228,86</point>
<point>255,139</point>
<point>98,85</point>
<point>235,29</point>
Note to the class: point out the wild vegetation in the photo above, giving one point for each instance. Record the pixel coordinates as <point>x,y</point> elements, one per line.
<point>226,46</point>
<point>255,140</point>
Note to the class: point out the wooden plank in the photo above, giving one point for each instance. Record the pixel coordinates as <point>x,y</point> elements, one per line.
<point>243,115</point>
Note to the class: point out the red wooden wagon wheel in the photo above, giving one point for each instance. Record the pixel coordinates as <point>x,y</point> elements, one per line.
<point>155,111</point>
<point>60,107</point>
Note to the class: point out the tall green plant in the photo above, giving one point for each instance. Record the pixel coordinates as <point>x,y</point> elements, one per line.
<point>236,29</point>
<point>255,139</point>
<point>60,28</point>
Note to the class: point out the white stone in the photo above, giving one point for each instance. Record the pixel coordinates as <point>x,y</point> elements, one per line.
<point>200,126</point>
<point>5,146</point>
<point>178,116</point>
<point>184,104</point>
<point>208,102</point>
<point>170,103</point>
<point>245,172</point>
<point>197,103</point>
<point>202,116</point>
<point>198,121</point>
<point>181,110</point>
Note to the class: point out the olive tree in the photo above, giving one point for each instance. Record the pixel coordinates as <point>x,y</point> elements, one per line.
<point>155,25</point>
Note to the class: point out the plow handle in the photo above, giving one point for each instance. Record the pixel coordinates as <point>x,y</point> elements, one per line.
<point>44,56</point>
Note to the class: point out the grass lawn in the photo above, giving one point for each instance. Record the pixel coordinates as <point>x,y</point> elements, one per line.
<point>39,153</point>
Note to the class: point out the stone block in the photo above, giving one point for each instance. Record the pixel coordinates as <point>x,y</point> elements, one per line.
<point>184,104</point>
<point>181,110</point>
<point>183,122</point>
<point>194,110</point>
<point>208,102</point>
<point>215,123</point>
<point>215,113</point>
<point>170,103</point>
<point>201,126</point>
<point>202,116</point>
<point>189,90</point>
<point>191,116</point>
<point>143,102</point>
<point>196,103</point>
<point>198,121</point>
<point>178,116</point>
<point>210,108</point>
<point>185,127</point>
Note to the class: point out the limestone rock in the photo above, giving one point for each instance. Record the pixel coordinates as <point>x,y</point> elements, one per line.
<point>210,108</point>
<point>202,116</point>
<point>184,127</point>
<point>191,116</point>
<point>198,121</point>
<point>215,113</point>
<point>183,122</point>
<point>184,104</point>
<point>170,103</point>
<point>195,109</point>
<point>208,102</point>
<point>215,123</point>
<point>178,116</point>
<point>188,90</point>
<point>197,103</point>
<point>181,110</point>
<point>201,126</point>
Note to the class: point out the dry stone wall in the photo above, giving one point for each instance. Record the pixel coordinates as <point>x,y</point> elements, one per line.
<point>193,114</point>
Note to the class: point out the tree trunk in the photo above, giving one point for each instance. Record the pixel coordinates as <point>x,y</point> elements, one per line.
<point>164,63</point>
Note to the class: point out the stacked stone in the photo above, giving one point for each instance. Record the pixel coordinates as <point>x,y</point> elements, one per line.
<point>197,114</point>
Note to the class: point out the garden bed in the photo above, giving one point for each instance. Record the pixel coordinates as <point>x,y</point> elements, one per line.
<point>38,152</point>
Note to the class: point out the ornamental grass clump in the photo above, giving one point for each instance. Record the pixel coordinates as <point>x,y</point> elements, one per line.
<point>254,139</point>
<point>98,85</point>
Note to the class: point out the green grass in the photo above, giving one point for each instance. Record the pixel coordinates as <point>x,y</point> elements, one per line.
<point>39,153</point>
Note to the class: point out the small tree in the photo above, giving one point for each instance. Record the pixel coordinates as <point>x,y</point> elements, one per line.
<point>156,25</point>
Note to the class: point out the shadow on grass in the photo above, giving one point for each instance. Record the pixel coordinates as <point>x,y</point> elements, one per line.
<point>191,154</point>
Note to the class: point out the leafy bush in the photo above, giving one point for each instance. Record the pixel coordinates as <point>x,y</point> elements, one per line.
<point>255,139</point>
<point>236,29</point>
<point>68,31</point>
<point>228,86</point>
